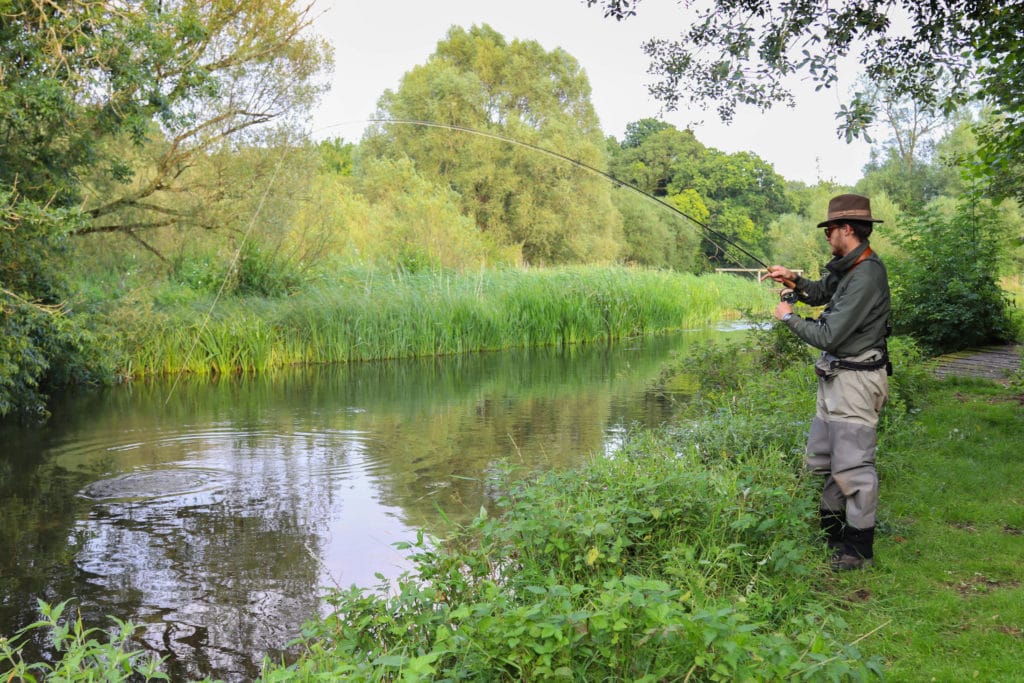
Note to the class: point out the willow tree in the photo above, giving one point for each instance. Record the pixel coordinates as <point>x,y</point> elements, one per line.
<point>552,210</point>
<point>105,105</point>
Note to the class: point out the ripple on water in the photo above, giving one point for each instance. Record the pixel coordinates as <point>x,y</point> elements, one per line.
<point>155,483</point>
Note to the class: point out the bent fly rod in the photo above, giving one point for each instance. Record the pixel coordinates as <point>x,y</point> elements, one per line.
<point>710,233</point>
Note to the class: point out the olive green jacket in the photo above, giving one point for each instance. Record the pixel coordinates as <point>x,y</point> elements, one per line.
<point>856,316</point>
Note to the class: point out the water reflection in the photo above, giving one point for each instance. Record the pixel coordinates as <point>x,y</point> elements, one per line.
<point>214,513</point>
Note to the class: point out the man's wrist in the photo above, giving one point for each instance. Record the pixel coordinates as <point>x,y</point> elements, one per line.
<point>786,317</point>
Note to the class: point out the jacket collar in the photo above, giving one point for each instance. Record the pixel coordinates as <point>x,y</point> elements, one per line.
<point>840,264</point>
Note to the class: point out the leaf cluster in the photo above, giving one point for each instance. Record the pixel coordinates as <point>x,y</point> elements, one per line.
<point>946,291</point>
<point>82,654</point>
<point>743,52</point>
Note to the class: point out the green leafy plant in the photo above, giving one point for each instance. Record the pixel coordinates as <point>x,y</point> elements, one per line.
<point>82,654</point>
<point>946,290</point>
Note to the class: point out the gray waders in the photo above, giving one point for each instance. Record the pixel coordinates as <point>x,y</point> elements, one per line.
<point>841,447</point>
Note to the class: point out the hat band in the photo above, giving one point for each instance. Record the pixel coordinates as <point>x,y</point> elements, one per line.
<point>850,214</point>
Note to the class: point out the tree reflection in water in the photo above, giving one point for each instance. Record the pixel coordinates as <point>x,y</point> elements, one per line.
<point>295,481</point>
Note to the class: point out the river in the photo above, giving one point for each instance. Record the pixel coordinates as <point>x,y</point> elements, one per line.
<point>214,514</point>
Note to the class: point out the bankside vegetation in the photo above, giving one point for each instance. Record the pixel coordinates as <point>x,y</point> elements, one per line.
<point>373,316</point>
<point>692,554</point>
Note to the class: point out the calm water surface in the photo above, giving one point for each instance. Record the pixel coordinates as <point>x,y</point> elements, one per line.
<point>215,514</point>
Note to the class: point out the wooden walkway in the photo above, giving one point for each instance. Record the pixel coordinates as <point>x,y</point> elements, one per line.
<point>993,362</point>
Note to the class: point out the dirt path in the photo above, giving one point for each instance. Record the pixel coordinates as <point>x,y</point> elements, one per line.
<point>993,362</point>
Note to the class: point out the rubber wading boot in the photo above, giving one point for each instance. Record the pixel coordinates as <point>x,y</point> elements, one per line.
<point>857,550</point>
<point>832,524</point>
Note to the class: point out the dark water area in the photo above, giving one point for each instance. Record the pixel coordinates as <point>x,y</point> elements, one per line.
<point>215,514</point>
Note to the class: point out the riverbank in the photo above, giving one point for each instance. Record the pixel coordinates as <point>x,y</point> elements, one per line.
<point>691,553</point>
<point>690,557</point>
<point>364,314</point>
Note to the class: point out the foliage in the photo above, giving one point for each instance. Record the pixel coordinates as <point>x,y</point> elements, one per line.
<point>336,156</point>
<point>82,654</point>
<point>1001,134</point>
<point>945,291</point>
<point>188,77</point>
<point>655,236</point>
<point>104,109</point>
<point>370,315</point>
<point>646,566</point>
<point>915,164</point>
<point>638,131</point>
<point>736,52</point>
<point>44,341</point>
<point>795,244</point>
<point>554,211</point>
<point>392,216</point>
<point>739,194</point>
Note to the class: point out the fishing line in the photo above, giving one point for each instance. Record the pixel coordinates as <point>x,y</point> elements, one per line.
<point>576,162</point>
<point>228,274</point>
<point>708,230</point>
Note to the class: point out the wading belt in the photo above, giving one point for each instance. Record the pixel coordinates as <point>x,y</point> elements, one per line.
<point>836,364</point>
<point>840,364</point>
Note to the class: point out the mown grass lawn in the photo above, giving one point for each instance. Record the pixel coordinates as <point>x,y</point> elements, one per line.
<point>948,588</point>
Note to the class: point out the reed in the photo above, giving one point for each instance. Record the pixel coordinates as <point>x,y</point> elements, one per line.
<point>369,315</point>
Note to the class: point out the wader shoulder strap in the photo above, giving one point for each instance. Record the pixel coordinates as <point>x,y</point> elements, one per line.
<point>864,254</point>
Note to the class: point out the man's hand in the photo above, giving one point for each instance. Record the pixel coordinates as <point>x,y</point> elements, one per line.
<point>781,274</point>
<point>781,309</point>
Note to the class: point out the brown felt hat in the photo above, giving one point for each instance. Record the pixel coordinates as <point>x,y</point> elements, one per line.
<point>849,207</point>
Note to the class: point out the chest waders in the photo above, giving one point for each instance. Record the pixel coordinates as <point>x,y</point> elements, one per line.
<point>841,447</point>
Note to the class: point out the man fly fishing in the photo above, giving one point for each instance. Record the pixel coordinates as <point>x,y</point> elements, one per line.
<point>852,374</point>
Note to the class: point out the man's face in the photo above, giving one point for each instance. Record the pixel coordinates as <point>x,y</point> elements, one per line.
<point>837,235</point>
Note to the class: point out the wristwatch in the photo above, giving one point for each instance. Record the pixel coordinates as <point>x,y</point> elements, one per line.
<point>786,317</point>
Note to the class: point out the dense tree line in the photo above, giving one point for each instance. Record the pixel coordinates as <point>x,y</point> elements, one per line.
<point>105,108</point>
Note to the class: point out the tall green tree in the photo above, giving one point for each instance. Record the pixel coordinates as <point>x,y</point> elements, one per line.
<point>1001,135</point>
<point>741,193</point>
<point>638,131</point>
<point>554,211</point>
<point>87,91</point>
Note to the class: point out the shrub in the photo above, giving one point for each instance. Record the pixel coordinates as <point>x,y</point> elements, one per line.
<point>647,566</point>
<point>945,291</point>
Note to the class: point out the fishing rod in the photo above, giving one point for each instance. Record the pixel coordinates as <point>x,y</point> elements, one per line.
<point>708,230</point>
<point>494,136</point>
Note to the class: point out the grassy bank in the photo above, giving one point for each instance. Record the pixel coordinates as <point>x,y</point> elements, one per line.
<point>948,592</point>
<point>368,315</point>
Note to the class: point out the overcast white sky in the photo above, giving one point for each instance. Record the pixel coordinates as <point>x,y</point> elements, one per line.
<point>377,41</point>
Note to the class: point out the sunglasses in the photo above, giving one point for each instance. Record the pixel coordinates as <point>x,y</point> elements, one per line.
<point>829,228</point>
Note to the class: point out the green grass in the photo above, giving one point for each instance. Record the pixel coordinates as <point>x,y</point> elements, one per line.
<point>369,315</point>
<point>949,584</point>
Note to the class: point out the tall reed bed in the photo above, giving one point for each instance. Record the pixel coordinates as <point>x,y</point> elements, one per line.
<point>369,315</point>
